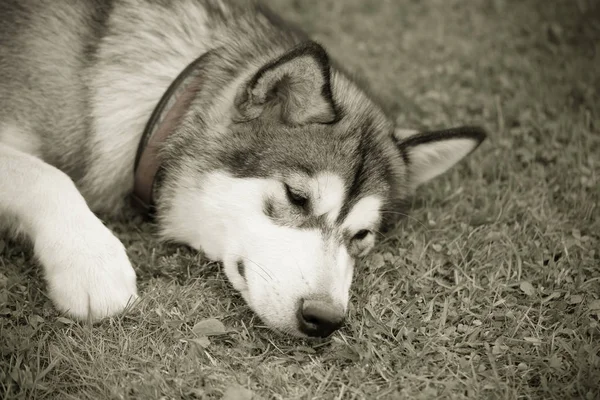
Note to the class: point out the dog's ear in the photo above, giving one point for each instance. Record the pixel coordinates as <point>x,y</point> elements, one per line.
<point>298,83</point>
<point>430,154</point>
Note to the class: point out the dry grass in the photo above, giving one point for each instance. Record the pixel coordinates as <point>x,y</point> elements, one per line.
<point>490,290</point>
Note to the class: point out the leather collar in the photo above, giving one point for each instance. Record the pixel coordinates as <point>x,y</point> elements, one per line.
<point>164,119</point>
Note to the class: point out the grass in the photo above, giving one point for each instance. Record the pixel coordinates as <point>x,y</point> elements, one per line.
<point>490,290</point>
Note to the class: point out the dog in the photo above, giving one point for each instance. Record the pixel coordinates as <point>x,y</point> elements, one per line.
<point>230,127</point>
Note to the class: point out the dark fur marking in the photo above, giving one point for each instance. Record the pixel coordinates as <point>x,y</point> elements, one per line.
<point>318,53</point>
<point>99,25</point>
<point>354,190</point>
<point>463,132</point>
<point>403,153</point>
<point>269,209</point>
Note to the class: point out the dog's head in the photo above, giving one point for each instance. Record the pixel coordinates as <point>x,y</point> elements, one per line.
<point>285,174</point>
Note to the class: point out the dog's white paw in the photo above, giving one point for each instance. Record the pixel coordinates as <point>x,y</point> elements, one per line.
<point>88,272</point>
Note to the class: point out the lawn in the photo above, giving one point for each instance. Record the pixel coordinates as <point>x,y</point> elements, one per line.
<point>491,289</point>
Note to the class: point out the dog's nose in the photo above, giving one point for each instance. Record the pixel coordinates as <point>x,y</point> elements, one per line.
<point>318,318</point>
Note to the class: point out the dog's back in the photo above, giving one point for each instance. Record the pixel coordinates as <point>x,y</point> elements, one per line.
<point>45,49</point>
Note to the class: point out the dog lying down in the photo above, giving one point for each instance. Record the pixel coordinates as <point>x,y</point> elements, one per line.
<point>231,127</point>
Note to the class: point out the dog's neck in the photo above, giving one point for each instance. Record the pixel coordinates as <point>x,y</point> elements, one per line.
<point>166,116</point>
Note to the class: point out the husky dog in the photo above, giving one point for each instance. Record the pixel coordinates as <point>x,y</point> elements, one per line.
<point>230,126</point>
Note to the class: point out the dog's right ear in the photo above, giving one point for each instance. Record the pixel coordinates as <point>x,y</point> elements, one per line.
<point>298,83</point>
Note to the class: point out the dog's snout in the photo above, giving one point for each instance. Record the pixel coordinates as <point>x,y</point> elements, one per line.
<point>319,318</point>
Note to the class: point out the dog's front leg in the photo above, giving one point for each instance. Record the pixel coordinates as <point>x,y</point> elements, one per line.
<point>86,266</point>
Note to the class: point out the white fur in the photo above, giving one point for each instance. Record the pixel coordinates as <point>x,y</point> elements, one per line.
<point>328,193</point>
<point>429,160</point>
<point>86,267</point>
<point>223,216</point>
<point>19,139</point>
<point>365,214</point>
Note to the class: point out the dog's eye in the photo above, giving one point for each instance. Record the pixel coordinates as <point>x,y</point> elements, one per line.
<point>295,198</point>
<point>360,235</point>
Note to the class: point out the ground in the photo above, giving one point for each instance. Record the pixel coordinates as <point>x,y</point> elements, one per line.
<point>490,289</point>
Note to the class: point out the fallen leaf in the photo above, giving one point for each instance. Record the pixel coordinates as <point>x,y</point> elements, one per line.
<point>35,320</point>
<point>575,299</point>
<point>527,288</point>
<point>555,362</point>
<point>5,312</point>
<point>493,236</point>
<point>377,261</point>
<point>499,349</point>
<point>202,341</point>
<point>595,305</point>
<point>237,392</point>
<point>209,327</point>
<point>522,366</point>
<point>533,340</point>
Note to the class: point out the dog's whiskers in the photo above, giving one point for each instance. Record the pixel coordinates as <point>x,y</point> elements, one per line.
<point>261,268</point>
<point>301,273</point>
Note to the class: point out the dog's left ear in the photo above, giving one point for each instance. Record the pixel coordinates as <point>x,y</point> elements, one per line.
<point>430,154</point>
<point>299,82</point>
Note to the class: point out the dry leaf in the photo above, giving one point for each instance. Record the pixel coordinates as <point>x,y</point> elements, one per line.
<point>203,341</point>
<point>35,320</point>
<point>377,261</point>
<point>237,392</point>
<point>575,299</point>
<point>209,327</point>
<point>527,288</point>
<point>349,354</point>
<point>595,305</point>
<point>3,278</point>
<point>533,340</point>
<point>555,362</point>
<point>499,349</point>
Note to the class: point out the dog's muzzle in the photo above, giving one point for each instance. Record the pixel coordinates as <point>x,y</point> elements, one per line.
<point>319,318</point>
